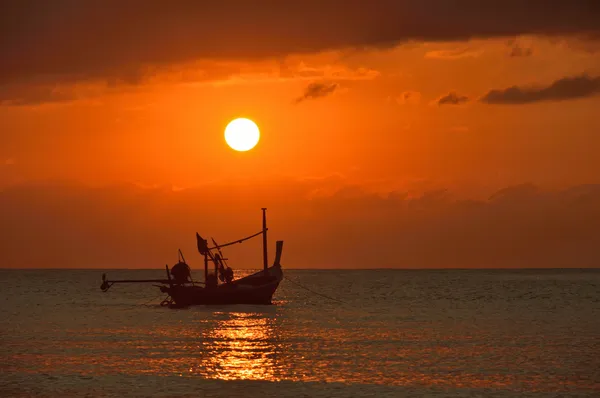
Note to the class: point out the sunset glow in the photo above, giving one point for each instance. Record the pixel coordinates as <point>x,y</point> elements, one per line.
<point>406,121</point>
<point>300,198</point>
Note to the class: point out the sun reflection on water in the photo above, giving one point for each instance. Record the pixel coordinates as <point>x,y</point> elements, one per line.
<point>243,346</point>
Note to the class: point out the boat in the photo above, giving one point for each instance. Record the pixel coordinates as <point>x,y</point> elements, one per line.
<point>219,286</point>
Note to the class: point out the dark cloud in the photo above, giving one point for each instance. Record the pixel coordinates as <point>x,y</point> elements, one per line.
<point>452,98</point>
<point>72,40</point>
<point>33,95</point>
<point>409,97</point>
<point>518,51</point>
<point>566,88</point>
<point>129,226</point>
<point>317,90</point>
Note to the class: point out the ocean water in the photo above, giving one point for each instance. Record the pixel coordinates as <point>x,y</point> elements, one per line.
<point>392,333</point>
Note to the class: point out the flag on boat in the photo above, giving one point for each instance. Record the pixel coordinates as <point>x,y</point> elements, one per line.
<point>202,245</point>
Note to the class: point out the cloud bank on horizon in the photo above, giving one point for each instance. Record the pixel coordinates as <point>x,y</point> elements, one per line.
<point>129,226</point>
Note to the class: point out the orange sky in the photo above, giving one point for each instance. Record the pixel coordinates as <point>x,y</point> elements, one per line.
<point>406,100</point>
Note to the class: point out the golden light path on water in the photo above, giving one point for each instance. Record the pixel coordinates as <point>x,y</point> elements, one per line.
<point>240,347</point>
<point>224,346</point>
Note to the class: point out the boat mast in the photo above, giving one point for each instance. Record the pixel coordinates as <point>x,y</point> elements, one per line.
<point>265,257</point>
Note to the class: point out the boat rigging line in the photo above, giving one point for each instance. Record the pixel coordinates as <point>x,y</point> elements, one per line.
<point>312,291</point>
<point>239,240</point>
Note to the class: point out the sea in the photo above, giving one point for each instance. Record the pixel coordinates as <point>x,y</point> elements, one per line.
<point>330,333</point>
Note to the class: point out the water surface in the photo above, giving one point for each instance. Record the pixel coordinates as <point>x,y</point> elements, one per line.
<point>395,333</point>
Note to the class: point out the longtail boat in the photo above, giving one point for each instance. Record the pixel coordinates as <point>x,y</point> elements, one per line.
<point>219,286</point>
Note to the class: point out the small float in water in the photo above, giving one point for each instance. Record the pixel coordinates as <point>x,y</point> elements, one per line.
<point>219,287</point>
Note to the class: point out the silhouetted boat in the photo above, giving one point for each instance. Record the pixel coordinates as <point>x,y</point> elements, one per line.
<point>257,288</point>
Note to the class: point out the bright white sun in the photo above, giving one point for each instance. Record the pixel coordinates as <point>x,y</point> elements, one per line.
<point>242,134</point>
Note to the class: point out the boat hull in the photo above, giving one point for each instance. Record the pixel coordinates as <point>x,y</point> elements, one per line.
<point>254,289</point>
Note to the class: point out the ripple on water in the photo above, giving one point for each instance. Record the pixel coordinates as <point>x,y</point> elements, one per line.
<point>417,333</point>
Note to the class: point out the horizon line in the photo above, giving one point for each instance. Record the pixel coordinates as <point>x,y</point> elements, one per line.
<point>322,269</point>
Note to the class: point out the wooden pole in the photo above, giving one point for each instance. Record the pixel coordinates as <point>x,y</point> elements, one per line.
<point>206,268</point>
<point>169,276</point>
<point>265,256</point>
<point>216,265</point>
<point>164,281</point>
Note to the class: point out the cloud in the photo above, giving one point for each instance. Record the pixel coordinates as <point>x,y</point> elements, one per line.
<point>245,72</point>
<point>586,45</point>
<point>453,54</point>
<point>67,40</point>
<point>317,90</point>
<point>518,51</point>
<point>130,226</point>
<point>520,46</point>
<point>567,88</point>
<point>304,70</point>
<point>452,98</point>
<point>409,97</point>
<point>206,73</point>
<point>30,95</point>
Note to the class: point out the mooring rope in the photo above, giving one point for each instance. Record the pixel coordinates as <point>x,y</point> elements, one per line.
<point>312,291</point>
<point>370,312</point>
<point>152,299</point>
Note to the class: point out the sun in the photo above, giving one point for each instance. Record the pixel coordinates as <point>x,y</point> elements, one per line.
<point>242,134</point>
